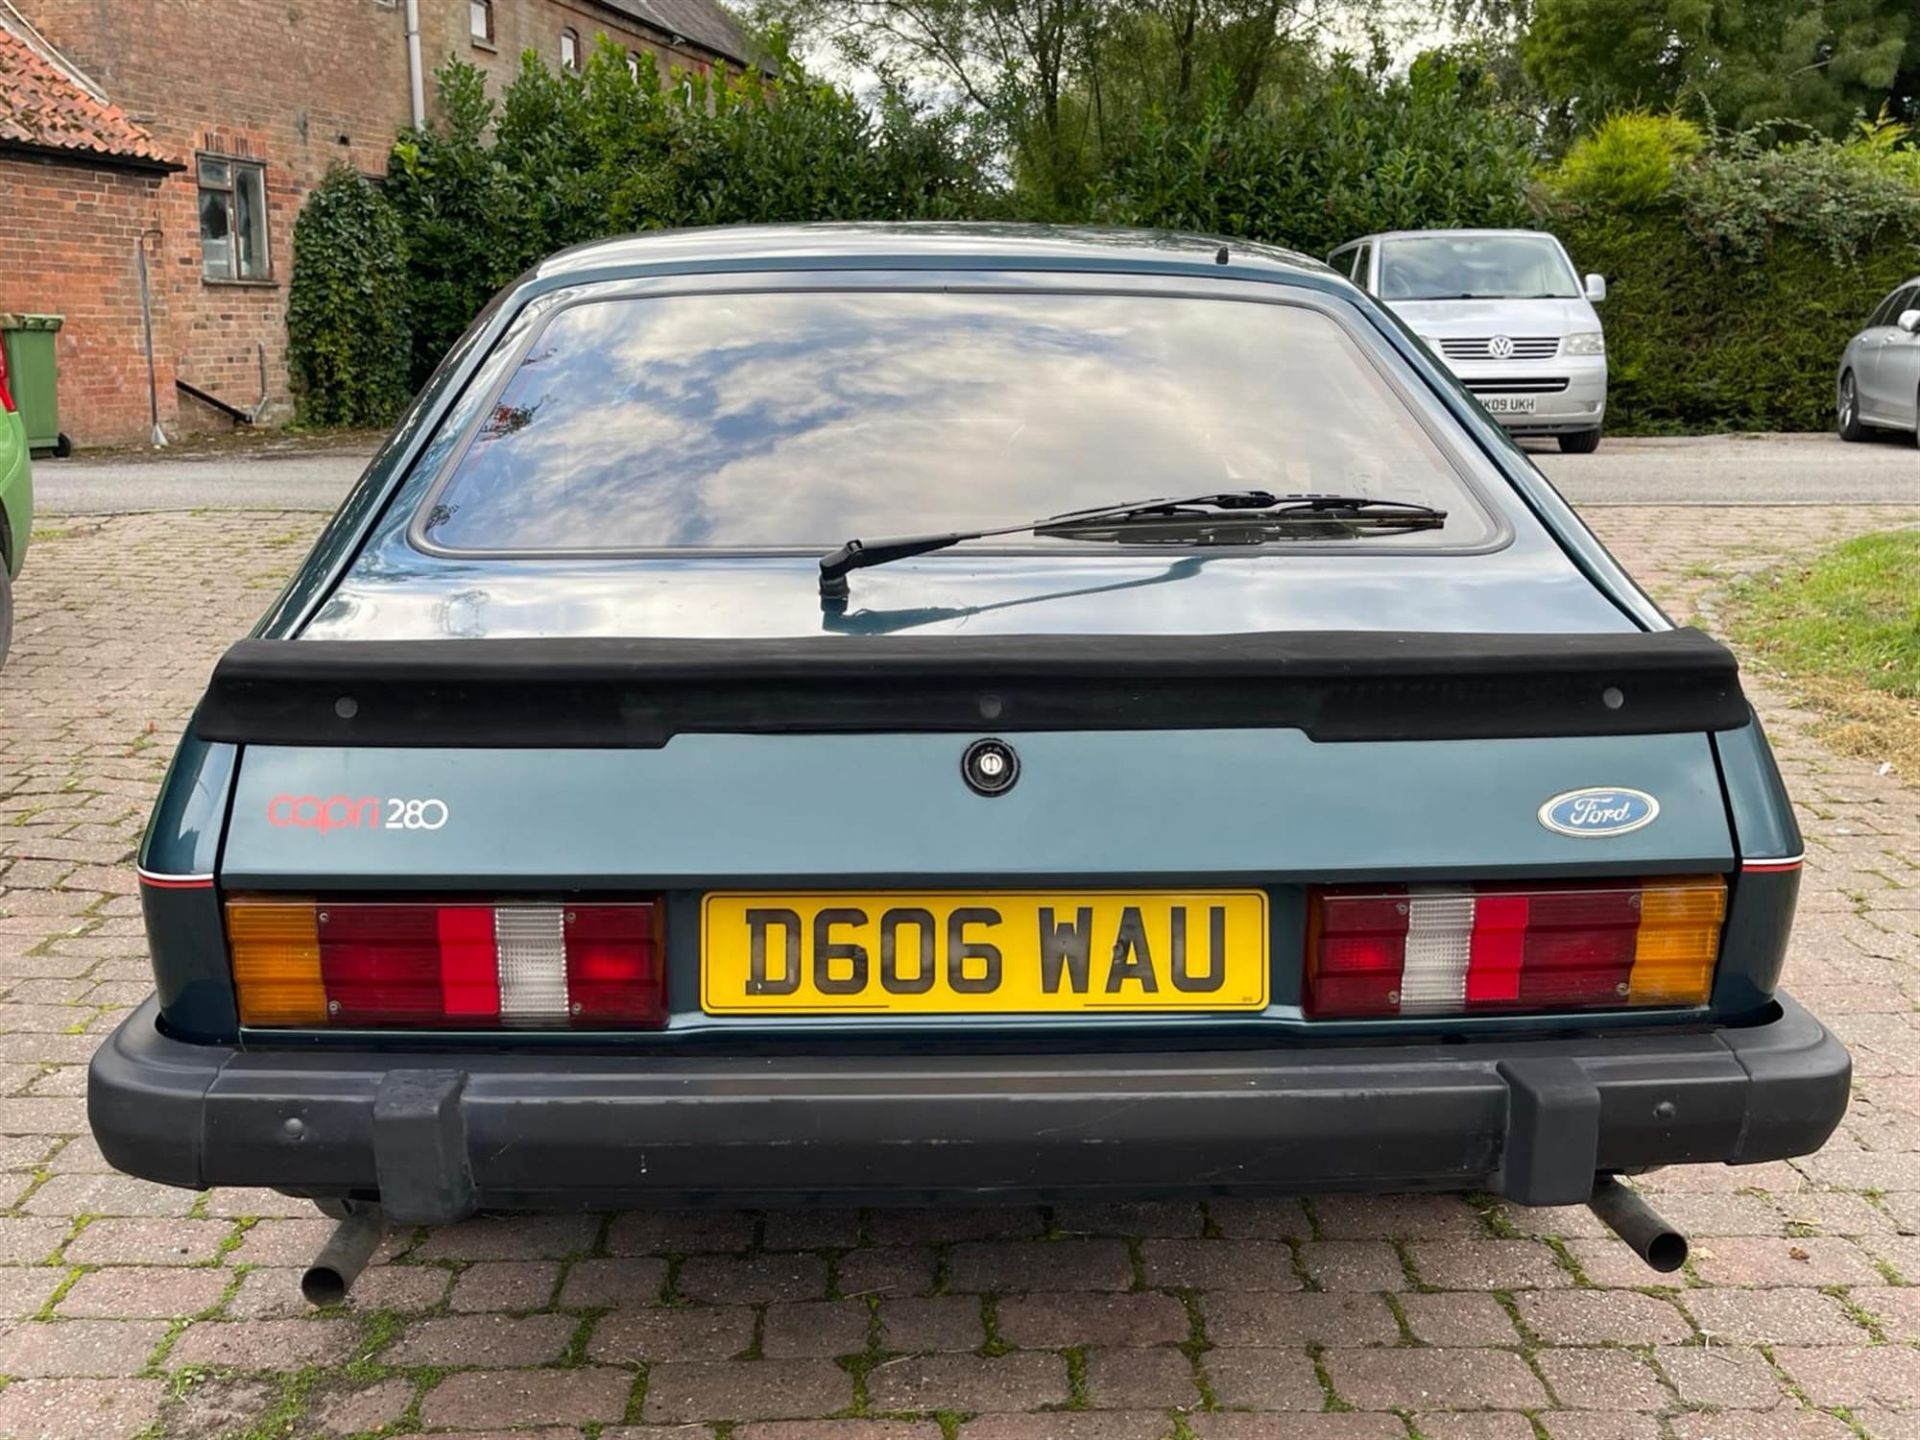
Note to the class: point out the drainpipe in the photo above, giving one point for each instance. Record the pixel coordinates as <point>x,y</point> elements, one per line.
<point>158,436</point>
<point>416,78</point>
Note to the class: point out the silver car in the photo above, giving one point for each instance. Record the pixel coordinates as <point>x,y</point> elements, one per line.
<point>1879,385</point>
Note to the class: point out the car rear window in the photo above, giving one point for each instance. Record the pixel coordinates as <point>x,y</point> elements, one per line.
<point>776,420</point>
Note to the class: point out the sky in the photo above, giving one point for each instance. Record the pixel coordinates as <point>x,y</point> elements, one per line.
<point>1413,26</point>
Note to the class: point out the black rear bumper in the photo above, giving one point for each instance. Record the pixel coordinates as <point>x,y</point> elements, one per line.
<point>439,1135</point>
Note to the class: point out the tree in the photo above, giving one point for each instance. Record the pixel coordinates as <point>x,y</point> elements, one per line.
<point>1735,63</point>
<point>1904,101</point>
<point>1050,77</point>
<point>1009,62</point>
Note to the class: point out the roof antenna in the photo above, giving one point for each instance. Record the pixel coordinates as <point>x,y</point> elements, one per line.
<point>1220,256</point>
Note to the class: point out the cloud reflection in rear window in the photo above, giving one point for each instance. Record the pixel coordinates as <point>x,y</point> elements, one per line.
<point>767,421</point>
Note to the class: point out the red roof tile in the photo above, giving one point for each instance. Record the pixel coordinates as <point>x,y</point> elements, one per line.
<point>45,108</point>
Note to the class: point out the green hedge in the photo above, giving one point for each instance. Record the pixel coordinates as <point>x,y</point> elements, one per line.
<point>1700,342</point>
<point>1737,270</point>
<point>560,159</point>
<point>1352,153</point>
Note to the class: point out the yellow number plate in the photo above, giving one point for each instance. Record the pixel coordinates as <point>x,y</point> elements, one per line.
<point>994,952</point>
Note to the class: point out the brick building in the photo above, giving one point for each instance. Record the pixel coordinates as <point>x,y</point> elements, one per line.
<point>80,191</point>
<point>192,131</point>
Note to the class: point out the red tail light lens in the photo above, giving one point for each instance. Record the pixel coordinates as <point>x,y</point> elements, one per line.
<point>6,395</point>
<point>614,974</point>
<point>448,966</point>
<point>1465,949</point>
<point>1359,953</point>
<point>381,964</point>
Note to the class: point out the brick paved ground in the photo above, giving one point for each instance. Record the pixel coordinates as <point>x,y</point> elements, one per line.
<point>142,1311</point>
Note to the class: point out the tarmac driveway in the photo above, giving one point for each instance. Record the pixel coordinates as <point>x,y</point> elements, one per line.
<point>1714,469</point>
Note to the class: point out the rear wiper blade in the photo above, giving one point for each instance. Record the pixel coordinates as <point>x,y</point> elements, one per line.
<point>1223,517</point>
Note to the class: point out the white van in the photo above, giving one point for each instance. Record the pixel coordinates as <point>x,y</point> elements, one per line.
<point>1507,312</point>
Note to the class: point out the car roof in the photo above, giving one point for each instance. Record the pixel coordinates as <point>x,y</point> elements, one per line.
<point>1463,230</point>
<point>920,244</point>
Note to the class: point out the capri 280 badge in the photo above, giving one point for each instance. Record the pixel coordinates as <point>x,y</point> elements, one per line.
<point>328,813</point>
<point>1599,811</point>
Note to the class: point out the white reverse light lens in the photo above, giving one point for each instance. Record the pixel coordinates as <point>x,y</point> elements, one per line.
<point>1587,342</point>
<point>531,943</point>
<point>1433,979</point>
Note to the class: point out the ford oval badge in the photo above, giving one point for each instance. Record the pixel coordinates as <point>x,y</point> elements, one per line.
<point>1599,811</point>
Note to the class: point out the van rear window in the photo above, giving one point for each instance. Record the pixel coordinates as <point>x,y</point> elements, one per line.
<point>771,421</point>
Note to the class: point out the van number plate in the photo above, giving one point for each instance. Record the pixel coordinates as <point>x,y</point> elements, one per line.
<point>1508,404</point>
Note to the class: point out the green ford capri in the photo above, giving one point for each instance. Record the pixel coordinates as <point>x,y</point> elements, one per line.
<point>866,715</point>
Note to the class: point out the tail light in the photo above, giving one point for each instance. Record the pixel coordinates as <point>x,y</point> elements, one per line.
<point>6,395</point>
<point>1471,949</point>
<point>447,966</point>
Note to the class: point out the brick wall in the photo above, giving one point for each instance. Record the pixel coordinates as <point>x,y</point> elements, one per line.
<point>68,235</point>
<point>522,25</point>
<point>296,85</point>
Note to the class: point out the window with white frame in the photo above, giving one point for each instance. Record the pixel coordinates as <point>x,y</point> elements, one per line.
<point>480,21</point>
<point>233,219</point>
<point>570,50</point>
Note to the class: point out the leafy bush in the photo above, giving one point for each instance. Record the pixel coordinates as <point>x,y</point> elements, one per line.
<point>1358,150</point>
<point>1629,161</point>
<point>1844,198</point>
<point>460,213</point>
<point>347,306</point>
<point>563,158</point>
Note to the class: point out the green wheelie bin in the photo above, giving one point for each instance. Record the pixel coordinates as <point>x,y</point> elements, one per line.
<point>33,376</point>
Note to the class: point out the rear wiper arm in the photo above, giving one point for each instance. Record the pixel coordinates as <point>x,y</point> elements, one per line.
<point>1244,516</point>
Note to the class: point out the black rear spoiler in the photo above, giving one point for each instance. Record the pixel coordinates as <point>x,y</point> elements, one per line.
<point>1334,685</point>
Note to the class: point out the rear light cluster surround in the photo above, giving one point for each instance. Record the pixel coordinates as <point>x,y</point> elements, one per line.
<point>457,965</point>
<point>1371,952</point>
<point>1512,948</point>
